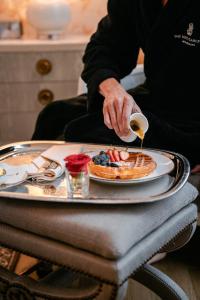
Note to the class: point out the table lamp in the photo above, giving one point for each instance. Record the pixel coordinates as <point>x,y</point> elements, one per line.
<point>48,17</point>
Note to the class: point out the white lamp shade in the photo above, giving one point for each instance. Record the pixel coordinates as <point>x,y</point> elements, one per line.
<point>49,17</point>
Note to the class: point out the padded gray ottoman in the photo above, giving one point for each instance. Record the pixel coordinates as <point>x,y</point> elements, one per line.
<point>107,244</point>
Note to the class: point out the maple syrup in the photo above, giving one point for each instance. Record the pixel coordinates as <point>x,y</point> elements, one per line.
<point>138,131</point>
<point>138,125</point>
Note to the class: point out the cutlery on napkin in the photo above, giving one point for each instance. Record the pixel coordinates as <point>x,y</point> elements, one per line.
<point>11,175</point>
<point>48,166</point>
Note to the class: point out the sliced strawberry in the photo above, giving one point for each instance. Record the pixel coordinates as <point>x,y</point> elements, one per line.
<point>110,153</point>
<point>124,155</point>
<point>116,155</point>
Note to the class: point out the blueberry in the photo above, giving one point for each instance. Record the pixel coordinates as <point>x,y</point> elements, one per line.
<point>103,163</point>
<point>114,165</point>
<point>102,152</point>
<point>105,156</point>
<point>103,159</point>
<point>96,159</point>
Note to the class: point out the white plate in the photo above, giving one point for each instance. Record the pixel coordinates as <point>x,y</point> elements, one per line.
<point>164,165</point>
<point>13,176</point>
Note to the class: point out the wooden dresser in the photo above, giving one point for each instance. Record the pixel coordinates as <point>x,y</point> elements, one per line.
<point>33,74</point>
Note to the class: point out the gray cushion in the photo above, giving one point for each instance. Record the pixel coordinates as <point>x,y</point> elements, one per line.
<point>109,231</point>
<point>107,270</point>
<point>135,78</point>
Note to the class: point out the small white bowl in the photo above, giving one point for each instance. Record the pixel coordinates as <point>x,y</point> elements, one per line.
<point>143,124</point>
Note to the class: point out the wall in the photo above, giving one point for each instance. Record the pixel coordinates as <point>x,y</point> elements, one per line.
<point>85,15</point>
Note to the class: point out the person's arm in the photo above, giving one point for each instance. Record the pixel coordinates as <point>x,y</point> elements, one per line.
<point>112,51</point>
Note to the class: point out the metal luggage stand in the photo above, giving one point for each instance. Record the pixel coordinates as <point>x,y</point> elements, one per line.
<point>57,284</point>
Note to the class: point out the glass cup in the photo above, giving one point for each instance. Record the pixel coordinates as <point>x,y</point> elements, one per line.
<point>77,184</point>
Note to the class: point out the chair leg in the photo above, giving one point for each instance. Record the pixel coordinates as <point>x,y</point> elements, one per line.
<point>159,283</point>
<point>53,286</point>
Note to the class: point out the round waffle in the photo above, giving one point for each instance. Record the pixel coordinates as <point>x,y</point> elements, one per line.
<point>136,166</point>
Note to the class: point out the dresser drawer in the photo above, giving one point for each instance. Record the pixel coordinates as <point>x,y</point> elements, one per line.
<point>20,104</point>
<point>26,97</point>
<point>17,126</point>
<point>40,66</point>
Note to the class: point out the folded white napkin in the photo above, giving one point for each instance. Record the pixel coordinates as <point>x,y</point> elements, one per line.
<point>50,163</point>
<point>48,166</point>
<point>10,175</point>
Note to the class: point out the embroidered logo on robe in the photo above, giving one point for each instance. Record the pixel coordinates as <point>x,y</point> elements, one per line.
<point>188,39</point>
<point>190,29</point>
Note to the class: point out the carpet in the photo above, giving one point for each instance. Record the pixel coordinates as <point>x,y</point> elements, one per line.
<point>8,258</point>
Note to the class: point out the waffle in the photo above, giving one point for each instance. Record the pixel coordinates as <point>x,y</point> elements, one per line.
<point>136,166</point>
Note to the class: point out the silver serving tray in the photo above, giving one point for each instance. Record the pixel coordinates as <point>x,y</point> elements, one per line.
<point>100,193</point>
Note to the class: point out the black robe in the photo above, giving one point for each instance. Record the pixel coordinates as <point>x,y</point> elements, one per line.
<point>170,39</point>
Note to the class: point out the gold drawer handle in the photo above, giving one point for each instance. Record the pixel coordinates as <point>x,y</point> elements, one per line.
<point>44,66</point>
<point>45,97</point>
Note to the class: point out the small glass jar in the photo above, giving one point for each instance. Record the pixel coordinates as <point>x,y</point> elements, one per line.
<point>77,184</point>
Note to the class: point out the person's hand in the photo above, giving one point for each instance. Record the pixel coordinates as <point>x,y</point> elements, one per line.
<point>196,169</point>
<point>118,106</point>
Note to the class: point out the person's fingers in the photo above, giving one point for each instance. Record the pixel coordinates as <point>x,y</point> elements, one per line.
<point>117,110</point>
<point>196,169</point>
<point>126,112</point>
<point>113,118</point>
<point>118,106</point>
<point>136,108</point>
<point>106,116</point>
